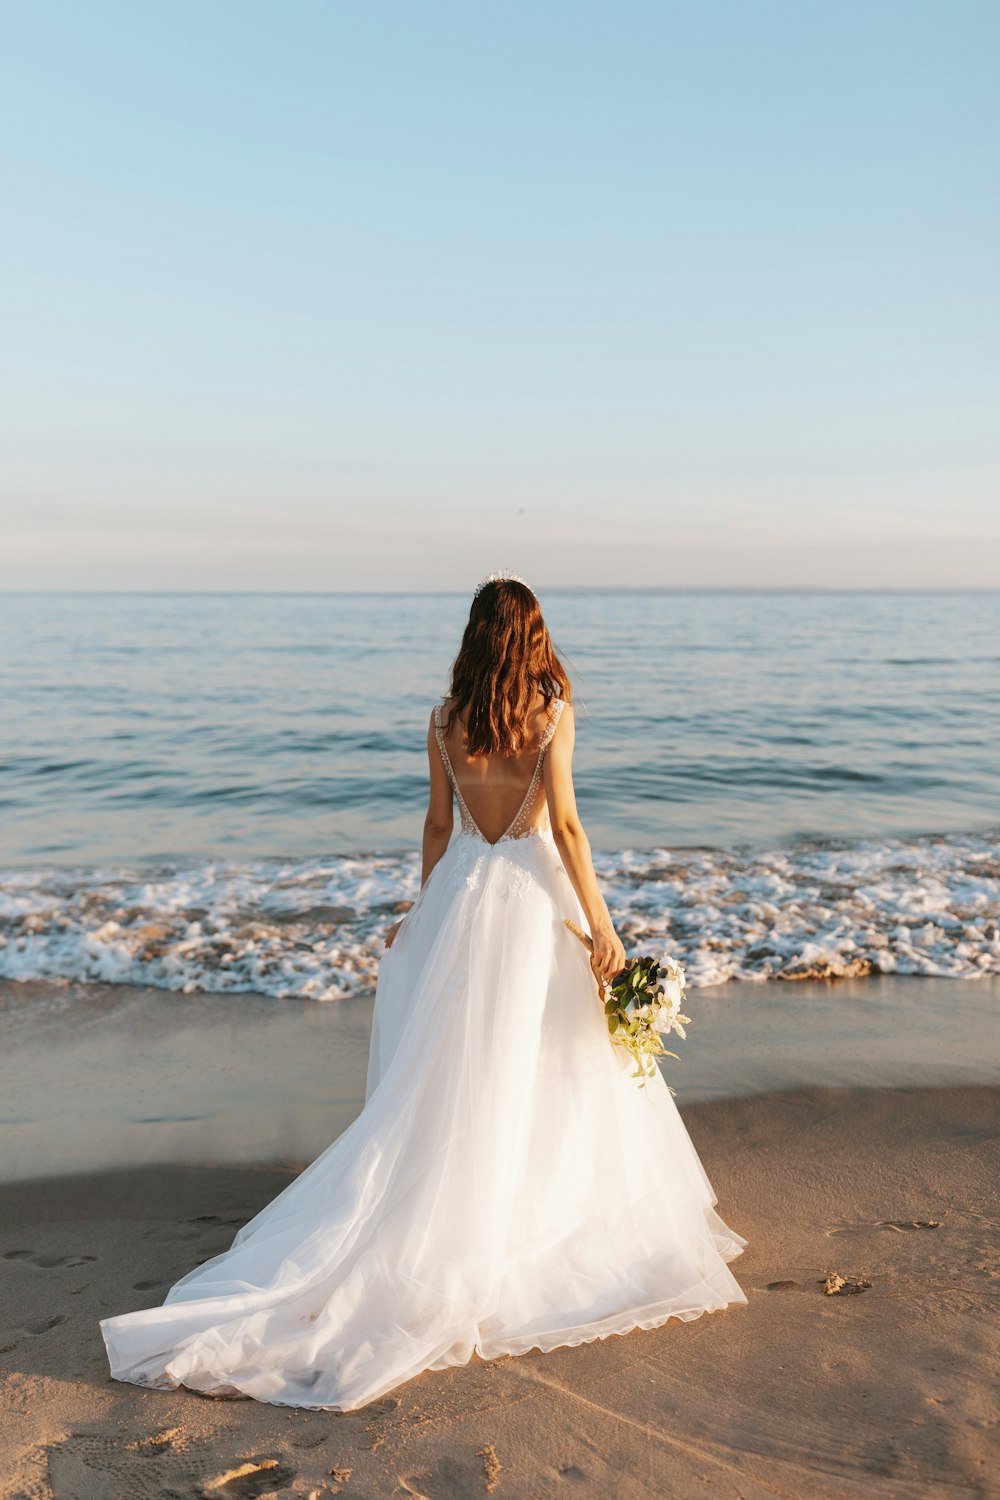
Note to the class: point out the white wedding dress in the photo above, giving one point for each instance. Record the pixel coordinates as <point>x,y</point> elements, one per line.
<point>508,1185</point>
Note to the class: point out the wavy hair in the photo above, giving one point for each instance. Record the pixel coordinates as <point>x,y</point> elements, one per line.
<point>505,658</point>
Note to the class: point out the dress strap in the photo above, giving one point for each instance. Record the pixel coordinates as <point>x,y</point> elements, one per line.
<point>468,821</point>
<point>558,704</point>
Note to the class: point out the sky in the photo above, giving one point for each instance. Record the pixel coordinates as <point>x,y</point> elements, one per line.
<point>321,294</point>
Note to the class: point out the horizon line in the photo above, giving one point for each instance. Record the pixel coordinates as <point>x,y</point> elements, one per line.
<point>583,588</point>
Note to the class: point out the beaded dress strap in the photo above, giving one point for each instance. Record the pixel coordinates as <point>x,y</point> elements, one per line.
<point>558,704</point>
<point>468,821</point>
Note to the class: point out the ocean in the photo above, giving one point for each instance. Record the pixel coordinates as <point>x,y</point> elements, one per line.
<point>226,793</point>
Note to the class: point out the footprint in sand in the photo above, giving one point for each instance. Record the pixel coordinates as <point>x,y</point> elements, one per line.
<point>174,1233</point>
<point>784,1286</point>
<point>380,1407</point>
<point>475,1475</point>
<point>48,1262</point>
<point>43,1325</point>
<point>308,1440</point>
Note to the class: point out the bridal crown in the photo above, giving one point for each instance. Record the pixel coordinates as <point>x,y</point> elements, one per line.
<point>502,577</point>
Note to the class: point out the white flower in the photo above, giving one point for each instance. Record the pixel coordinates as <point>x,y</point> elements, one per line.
<point>671,968</point>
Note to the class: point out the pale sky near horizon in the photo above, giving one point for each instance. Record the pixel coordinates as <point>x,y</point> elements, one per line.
<point>323,295</point>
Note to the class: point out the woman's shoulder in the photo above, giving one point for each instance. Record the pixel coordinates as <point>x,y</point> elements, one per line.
<point>560,711</point>
<point>545,719</point>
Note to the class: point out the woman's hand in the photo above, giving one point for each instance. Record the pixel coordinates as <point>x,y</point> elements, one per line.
<point>391,934</point>
<point>608,957</point>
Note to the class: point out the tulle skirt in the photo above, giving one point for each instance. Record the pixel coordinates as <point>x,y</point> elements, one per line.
<point>507,1186</point>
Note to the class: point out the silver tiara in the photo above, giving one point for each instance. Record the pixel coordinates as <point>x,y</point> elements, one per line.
<point>502,577</point>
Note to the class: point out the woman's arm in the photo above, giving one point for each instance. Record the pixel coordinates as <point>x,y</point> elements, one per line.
<point>439,820</point>
<point>574,846</point>
<point>440,817</point>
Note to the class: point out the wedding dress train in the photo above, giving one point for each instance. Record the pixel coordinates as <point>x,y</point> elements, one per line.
<point>508,1185</point>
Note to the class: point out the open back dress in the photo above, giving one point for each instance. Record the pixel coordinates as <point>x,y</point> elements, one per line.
<point>507,1186</point>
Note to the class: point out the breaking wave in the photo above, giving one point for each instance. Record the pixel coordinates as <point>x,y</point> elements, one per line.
<point>313,929</point>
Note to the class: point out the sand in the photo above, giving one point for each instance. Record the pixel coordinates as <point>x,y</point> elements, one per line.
<point>95,1076</point>
<point>890,1390</point>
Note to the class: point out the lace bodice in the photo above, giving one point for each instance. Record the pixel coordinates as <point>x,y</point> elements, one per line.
<point>522,821</point>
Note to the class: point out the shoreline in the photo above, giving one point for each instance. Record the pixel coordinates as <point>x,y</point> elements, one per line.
<point>312,927</point>
<point>889,1392</point>
<point>105,1076</point>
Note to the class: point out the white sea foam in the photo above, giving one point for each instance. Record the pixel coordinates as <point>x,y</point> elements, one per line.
<point>314,929</point>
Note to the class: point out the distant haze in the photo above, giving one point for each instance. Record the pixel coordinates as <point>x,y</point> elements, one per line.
<point>348,296</point>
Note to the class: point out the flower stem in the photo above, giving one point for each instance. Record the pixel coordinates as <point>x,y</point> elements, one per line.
<point>579,932</point>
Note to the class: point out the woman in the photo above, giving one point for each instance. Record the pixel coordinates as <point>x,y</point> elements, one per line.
<point>508,1185</point>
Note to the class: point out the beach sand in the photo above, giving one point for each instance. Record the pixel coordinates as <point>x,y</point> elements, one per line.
<point>886,1391</point>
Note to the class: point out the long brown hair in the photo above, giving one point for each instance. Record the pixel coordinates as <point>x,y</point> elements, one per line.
<point>505,658</point>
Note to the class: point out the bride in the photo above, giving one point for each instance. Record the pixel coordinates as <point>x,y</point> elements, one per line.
<point>508,1185</point>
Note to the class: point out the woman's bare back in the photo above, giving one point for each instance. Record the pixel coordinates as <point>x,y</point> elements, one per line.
<point>494,787</point>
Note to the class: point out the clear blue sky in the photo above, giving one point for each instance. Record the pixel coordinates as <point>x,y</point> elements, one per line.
<point>346,295</point>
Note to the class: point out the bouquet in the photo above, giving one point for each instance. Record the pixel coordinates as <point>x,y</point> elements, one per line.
<point>642,1002</point>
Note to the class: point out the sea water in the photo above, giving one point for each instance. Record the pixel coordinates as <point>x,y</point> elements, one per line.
<point>225,793</point>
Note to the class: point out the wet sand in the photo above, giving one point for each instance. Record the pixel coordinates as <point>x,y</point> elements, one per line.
<point>889,1390</point>
<point>97,1076</point>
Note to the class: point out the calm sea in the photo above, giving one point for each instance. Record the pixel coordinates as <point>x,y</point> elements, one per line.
<point>227,792</point>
